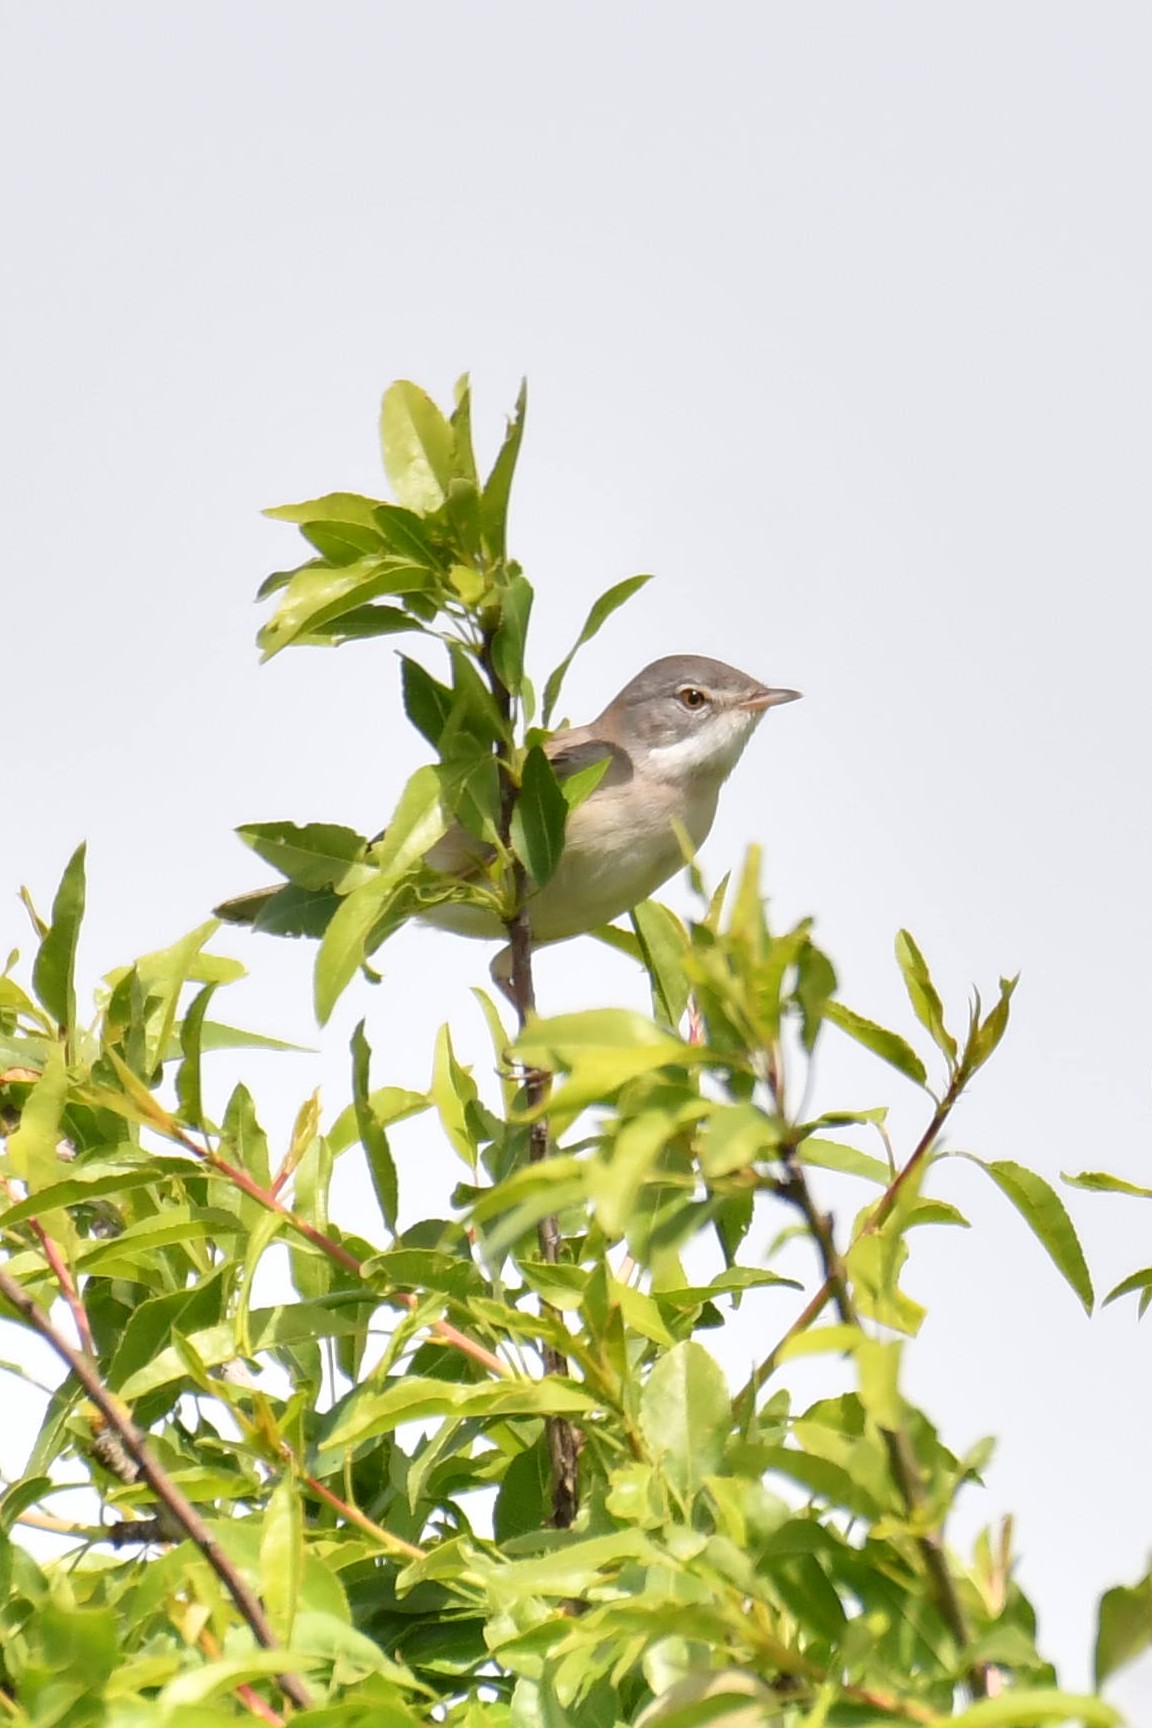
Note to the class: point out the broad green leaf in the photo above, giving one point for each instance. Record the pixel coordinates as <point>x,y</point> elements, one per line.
<point>333,507</point>
<point>1124,1628</point>
<point>498,486</point>
<point>922,993</point>
<point>427,702</point>
<point>538,823</point>
<point>53,972</point>
<point>418,447</point>
<point>318,595</point>
<point>1044,1212</point>
<point>686,1415</point>
<point>318,855</point>
<point>888,1045</point>
<point>878,1365</point>
<point>381,1165</point>
<point>341,542</point>
<point>417,823</point>
<point>344,947</point>
<point>601,610</point>
<point>199,1685</point>
<point>737,1135</point>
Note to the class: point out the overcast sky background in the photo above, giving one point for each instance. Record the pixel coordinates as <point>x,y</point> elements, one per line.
<point>836,318</point>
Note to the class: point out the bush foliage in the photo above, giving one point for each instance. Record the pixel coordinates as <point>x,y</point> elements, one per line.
<point>486,1469</point>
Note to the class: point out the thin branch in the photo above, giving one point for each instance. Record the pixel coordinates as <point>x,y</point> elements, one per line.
<point>63,1275</point>
<point>563,1442</point>
<point>879,1216</point>
<point>395,1545</point>
<point>166,1491</point>
<point>902,1460</point>
<point>442,1330</point>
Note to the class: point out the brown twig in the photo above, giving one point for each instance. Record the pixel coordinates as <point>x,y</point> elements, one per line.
<point>169,1495</point>
<point>901,1456</point>
<point>879,1215</point>
<point>563,1442</point>
<point>63,1275</point>
<point>442,1330</point>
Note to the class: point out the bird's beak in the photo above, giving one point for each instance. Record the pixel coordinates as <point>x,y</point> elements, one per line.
<point>762,699</point>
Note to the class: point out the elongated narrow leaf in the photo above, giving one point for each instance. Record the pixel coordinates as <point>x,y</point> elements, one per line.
<point>427,702</point>
<point>53,974</point>
<point>1044,1212</point>
<point>923,995</point>
<point>663,944</point>
<point>188,1089</point>
<point>1099,1182</point>
<point>541,812</point>
<point>888,1045</point>
<point>333,507</point>
<point>417,444</point>
<point>282,1555</point>
<point>372,1136</point>
<point>345,944</point>
<point>1037,1707</point>
<point>508,644</point>
<point>498,486</point>
<point>602,609</point>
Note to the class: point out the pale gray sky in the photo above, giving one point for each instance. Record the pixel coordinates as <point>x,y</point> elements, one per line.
<point>836,318</point>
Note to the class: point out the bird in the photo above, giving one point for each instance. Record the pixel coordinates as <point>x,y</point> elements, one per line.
<point>670,738</point>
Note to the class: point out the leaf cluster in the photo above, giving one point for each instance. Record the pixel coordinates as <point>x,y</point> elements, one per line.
<point>372,1454</point>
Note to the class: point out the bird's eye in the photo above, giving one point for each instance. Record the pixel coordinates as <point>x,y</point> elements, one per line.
<point>691,697</point>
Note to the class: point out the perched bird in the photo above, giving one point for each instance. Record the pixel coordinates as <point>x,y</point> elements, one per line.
<point>671,738</point>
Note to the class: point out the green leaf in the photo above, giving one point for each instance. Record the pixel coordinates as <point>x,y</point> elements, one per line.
<point>368,1411</point>
<point>427,702</point>
<point>602,609</point>
<point>1098,1182</point>
<point>922,993</point>
<point>1043,1211</point>
<point>188,1091</point>
<point>833,1155</point>
<point>508,644</point>
<point>319,594</point>
<point>888,1045</point>
<point>663,944</point>
<point>418,447</point>
<point>1032,1707</point>
<point>317,855</point>
<point>986,1034</point>
<point>345,943</point>
<point>381,1165</point>
<point>1124,1628</point>
<point>53,973</point>
<point>454,1093</point>
<point>540,815</point>
<point>34,1146</point>
<point>686,1415</point>
<point>341,542</point>
<point>282,1555</point>
<point>347,507</point>
<point>498,486</point>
